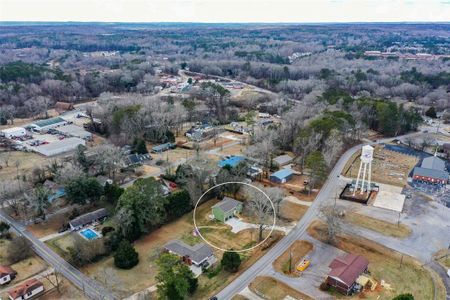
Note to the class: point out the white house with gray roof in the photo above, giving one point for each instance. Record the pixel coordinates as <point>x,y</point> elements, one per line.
<point>197,257</point>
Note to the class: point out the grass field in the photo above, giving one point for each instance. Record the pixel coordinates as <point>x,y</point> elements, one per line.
<point>292,211</point>
<point>272,289</point>
<point>387,167</point>
<point>48,227</point>
<point>27,161</point>
<point>383,227</point>
<point>403,273</point>
<point>297,252</point>
<point>443,257</point>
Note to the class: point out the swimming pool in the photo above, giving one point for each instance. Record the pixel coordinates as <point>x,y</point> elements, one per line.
<point>89,234</point>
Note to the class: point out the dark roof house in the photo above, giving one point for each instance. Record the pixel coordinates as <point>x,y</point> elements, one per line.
<point>196,254</point>
<point>88,218</point>
<point>345,270</point>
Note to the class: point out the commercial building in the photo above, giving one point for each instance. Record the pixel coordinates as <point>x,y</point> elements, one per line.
<point>46,124</point>
<point>282,176</point>
<point>345,271</point>
<point>433,170</point>
<point>89,218</point>
<point>226,209</point>
<point>60,146</point>
<point>75,131</point>
<point>14,132</point>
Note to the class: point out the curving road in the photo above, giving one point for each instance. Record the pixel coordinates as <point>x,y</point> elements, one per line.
<point>326,194</point>
<point>91,288</point>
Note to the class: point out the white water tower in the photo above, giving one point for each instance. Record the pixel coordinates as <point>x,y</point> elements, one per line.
<point>366,168</point>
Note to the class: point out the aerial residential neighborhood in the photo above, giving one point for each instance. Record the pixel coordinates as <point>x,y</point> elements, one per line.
<point>224,150</point>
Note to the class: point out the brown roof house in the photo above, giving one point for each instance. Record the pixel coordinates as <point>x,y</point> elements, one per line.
<point>28,289</point>
<point>345,271</point>
<point>6,274</point>
<point>61,107</point>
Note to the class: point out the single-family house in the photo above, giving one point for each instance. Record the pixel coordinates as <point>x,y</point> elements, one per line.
<point>283,160</point>
<point>28,289</point>
<point>226,209</point>
<point>7,274</point>
<point>282,176</point>
<point>137,159</point>
<point>57,191</point>
<point>345,271</point>
<point>232,161</point>
<point>163,147</point>
<point>199,255</point>
<point>89,218</point>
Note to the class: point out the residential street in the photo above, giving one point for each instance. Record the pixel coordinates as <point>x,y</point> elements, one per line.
<point>90,287</point>
<point>326,194</point>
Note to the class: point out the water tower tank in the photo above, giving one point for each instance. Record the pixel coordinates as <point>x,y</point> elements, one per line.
<point>367,154</point>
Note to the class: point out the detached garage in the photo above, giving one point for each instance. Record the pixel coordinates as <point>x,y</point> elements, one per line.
<point>282,176</point>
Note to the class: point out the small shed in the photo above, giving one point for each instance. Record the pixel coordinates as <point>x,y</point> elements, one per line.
<point>283,160</point>
<point>226,209</point>
<point>282,176</point>
<point>6,274</point>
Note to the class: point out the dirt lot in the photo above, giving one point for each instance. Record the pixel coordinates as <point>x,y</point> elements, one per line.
<point>172,155</point>
<point>291,211</point>
<point>404,275</point>
<point>26,162</point>
<point>296,252</point>
<point>272,289</point>
<point>386,228</point>
<point>443,257</point>
<point>388,166</point>
<point>233,150</point>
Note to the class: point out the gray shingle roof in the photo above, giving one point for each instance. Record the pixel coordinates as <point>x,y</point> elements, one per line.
<point>434,163</point>
<point>437,174</point>
<point>197,253</point>
<point>282,159</point>
<point>227,204</point>
<point>89,217</point>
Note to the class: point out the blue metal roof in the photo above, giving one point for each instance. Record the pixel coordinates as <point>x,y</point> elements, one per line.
<point>232,161</point>
<point>283,173</point>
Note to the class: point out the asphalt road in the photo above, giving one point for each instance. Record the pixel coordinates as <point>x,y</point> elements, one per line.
<point>91,288</point>
<point>326,194</point>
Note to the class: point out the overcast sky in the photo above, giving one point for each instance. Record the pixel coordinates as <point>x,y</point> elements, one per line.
<point>226,10</point>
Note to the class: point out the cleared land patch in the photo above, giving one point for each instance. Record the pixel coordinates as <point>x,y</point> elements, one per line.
<point>387,167</point>
<point>291,257</point>
<point>272,289</point>
<point>383,227</point>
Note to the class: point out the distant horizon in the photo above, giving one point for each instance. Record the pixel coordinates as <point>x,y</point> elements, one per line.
<point>226,23</point>
<point>226,11</point>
